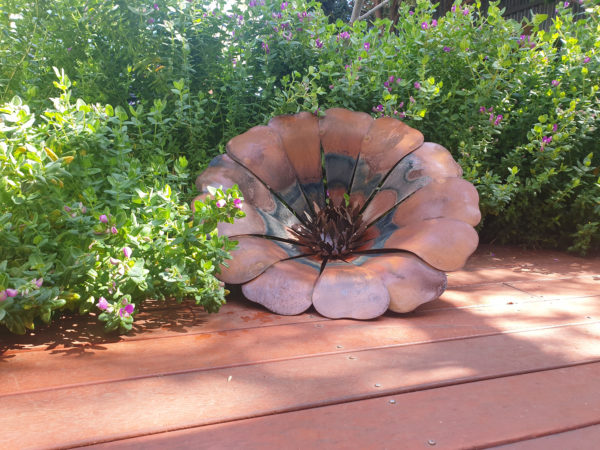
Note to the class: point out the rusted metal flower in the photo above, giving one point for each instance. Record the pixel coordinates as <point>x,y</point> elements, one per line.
<point>347,213</point>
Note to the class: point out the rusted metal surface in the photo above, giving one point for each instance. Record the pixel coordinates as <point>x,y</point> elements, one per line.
<point>335,188</point>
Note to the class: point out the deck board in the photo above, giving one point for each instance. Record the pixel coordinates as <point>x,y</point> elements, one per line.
<point>183,374</point>
<point>476,415</point>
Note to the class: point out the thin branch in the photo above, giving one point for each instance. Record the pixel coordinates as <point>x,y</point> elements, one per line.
<point>358,4</point>
<point>368,13</point>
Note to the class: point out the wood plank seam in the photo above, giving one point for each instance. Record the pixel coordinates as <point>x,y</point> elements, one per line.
<point>297,357</point>
<point>361,397</point>
<point>541,435</point>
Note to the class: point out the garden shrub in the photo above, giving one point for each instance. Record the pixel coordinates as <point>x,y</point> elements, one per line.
<point>516,105</point>
<point>87,225</point>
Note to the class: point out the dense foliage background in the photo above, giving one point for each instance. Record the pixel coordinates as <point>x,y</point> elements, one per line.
<point>99,155</point>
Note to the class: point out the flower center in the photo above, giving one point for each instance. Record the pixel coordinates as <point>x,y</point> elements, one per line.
<point>332,232</point>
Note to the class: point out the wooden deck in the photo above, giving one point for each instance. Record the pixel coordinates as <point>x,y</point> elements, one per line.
<point>509,355</point>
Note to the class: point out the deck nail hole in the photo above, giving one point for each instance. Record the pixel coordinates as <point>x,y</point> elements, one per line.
<point>393,402</point>
<point>377,385</point>
<point>318,325</point>
<point>351,357</point>
<point>339,346</point>
<point>431,442</point>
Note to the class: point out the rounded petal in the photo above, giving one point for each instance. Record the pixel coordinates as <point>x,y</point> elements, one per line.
<point>342,133</point>
<point>452,198</point>
<point>409,281</point>
<point>346,290</point>
<point>260,150</point>
<point>387,142</point>
<point>443,243</point>
<point>252,257</point>
<point>428,162</point>
<point>300,140</point>
<point>275,216</point>
<point>286,287</point>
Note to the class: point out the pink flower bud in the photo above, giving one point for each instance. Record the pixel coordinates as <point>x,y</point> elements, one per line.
<point>221,203</point>
<point>11,292</point>
<point>113,230</point>
<point>102,303</point>
<point>3,296</point>
<point>127,252</point>
<point>114,261</point>
<point>237,203</point>
<point>103,218</point>
<point>67,209</point>
<point>39,282</point>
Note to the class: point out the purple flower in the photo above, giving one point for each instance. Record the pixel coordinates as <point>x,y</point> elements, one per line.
<point>221,203</point>
<point>566,4</point>
<point>546,139</point>
<point>331,86</point>
<point>453,9</point>
<point>555,83</point>
<point>127,252</point>
<point>465,12</point>
<point>499,118</point>
<point>113,230</point>
<point>102,303</point>
<point>150,20</point>
<point>586,60</point>
<point>555,128</point>
<point>401,105</point>
<point>343,35</point>
<point>411,99</point>
<point>3,296</point>
<point>265,47</point>
<point>417,85</point>
<point>11,292</point>
<point>402,115</point>
<point>411,13</point>
<point>391,79</point>
<point>482,109</point>
<point>127,310</point>
<point>434,23</point>
<point>386,83</point>
<point>367,46</point>
<point>237,203</point>
<point>447,49</point>
<point>424,25</point>
<point>252,3</point>
<point>318,43</point>
<point>67,209</point>
<point>284,5</point>
<point>69,49</point>
<point>103,218</point>
<point>39,282</point>
<point>155,6</point>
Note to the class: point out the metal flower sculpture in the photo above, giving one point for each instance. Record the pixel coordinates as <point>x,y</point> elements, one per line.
<point>351,214</point>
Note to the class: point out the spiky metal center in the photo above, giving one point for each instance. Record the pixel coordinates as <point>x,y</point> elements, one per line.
<point>332,232</point>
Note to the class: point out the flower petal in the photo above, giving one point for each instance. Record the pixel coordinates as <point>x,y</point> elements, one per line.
<point>300,140</point>
<point>258,200</point>
<point>342,133</point>
<point>387,142</point>
<point>260,150</point>
<point>346,290</point>
<point>429,162</point>
<point>443,243</point>
<point>286,287</point>
<point>453,198</point>
<point>409,281</point>
<point>253,256</point>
